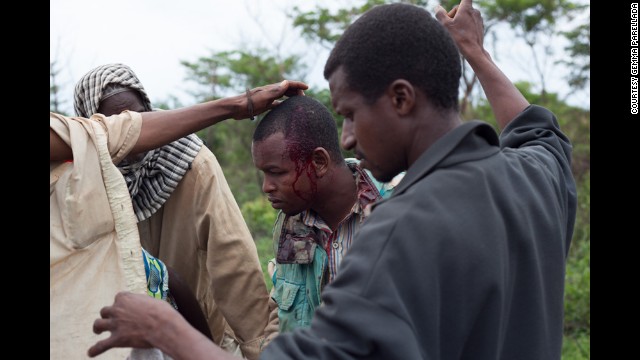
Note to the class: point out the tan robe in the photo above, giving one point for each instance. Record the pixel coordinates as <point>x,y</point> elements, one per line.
<point>200,232</point>
<point>94,246</point>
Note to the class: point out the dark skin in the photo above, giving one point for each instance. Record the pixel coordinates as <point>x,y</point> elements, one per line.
<point>185,299</point>
<point>322,184</point>
<point>162,127</point>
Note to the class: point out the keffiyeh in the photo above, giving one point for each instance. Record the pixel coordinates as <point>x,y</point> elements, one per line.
<point>151,180</point>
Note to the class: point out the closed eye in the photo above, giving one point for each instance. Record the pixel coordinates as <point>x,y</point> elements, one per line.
<point>274,172</point>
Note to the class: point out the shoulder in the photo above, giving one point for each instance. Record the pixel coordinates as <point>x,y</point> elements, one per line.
<point>205,166</point>
<point>536,126</point>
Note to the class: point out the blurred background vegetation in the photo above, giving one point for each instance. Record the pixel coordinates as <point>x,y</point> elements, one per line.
<point>533,23</point>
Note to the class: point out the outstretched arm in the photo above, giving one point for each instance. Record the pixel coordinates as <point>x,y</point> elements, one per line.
<point>465,25</point>
<point>137,320</point>
<point>162,127</point>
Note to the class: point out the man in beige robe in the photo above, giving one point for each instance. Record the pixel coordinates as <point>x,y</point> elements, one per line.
<point>94,246</point>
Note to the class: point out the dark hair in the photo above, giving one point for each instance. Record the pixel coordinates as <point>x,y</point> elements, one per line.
<point>306,124</point>
<point>398,41</point>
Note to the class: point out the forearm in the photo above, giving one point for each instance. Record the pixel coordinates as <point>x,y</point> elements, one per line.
<point>466,27</point>
<point>505,99</point>
<point>181,341</point>
<point>162,127</point>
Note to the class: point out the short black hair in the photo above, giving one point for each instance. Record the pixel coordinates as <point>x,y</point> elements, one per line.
<point>398,41</point>
<point>305,122</point>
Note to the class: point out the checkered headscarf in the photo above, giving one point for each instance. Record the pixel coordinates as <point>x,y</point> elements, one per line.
<point>152,179</point>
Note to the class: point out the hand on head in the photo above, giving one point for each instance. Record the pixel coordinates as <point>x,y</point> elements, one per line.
<point>263,98</point>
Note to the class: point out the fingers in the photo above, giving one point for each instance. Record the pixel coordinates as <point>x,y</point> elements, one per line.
<point>106,312</point>
<point>443,16</point>
<point>294,88</point>
<point>466,3</point>
<point>294,84</point>
<point>101,325</point>
<point>100,347</point>
<point>453,11</point>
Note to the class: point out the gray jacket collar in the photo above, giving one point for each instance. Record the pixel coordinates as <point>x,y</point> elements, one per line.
<point>469,141</point>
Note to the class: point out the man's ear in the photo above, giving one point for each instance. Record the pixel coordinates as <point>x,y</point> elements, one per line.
<point>402,95</point>
<point>320,160</point>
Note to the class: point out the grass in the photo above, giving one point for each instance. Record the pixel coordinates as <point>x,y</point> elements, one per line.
<point>576,347</point>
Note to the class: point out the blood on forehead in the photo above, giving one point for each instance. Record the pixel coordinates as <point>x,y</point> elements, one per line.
<point>300,150</point>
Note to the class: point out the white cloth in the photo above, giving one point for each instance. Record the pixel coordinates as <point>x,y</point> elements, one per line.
<point>94,247</point>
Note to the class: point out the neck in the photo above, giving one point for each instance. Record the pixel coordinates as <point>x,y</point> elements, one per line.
<point>432,126</point>
<point>337,195</point>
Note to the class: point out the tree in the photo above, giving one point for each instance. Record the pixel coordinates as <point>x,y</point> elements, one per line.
<point>579,51</point>
<point>535,22</point>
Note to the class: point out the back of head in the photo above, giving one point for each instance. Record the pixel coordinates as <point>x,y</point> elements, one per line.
<point>104,81</point>
<point>306,124</point>
<point>398,41</point>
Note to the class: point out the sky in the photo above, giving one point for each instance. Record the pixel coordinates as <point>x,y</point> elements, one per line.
<point>153,36</point>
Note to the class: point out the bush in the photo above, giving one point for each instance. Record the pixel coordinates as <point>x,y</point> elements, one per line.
<point>260,217</point>
<point>577,293</point>
<point>576,347</point>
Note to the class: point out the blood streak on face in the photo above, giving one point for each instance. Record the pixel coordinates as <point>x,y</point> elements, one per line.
<point>300,150</point>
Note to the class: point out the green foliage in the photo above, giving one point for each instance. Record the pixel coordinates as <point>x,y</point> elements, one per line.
<point>171,102</point>
<point>579,55</point>
<point>260,216</point>
<point>576,347</point>
<point>577,318</point>
<point>529,17</point>
<point>232,72</point>
<point>577,292</point>
<point>325,27</point>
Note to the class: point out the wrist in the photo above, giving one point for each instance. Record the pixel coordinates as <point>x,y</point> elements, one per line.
<point>479,60</point>
<point>235,106</point>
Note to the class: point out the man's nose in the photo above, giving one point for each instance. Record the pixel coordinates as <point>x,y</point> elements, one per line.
<point>267,186</point>
<point>348,138</point>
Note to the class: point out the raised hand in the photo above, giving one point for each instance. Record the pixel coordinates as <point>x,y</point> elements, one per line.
<point>465,25</point>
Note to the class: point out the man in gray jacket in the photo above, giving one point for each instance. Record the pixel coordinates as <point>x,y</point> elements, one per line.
<point>466,259</point>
